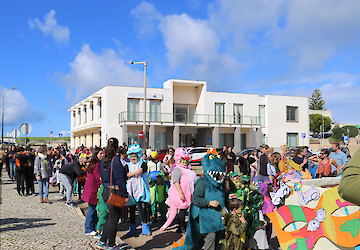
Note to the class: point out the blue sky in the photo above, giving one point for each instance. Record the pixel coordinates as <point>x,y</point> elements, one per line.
<point>59,52</point>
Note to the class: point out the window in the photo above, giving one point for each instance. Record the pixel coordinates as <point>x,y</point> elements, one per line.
<point>262,115</point>
<point>91,111</point>
<point>238,113</point>
<point>79,115</point>
<point>85,114</point>
<point>184,113</point>
<point>219,112</point>
<point>133,108</point>
<point>291,114</point>
<point>74,118</point>
<point>291,139</point>
<point>99,105</point>
<point>155,110</point>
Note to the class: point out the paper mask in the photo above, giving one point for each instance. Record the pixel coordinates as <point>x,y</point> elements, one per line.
<point>278,196</point>
<point>326,220</point>
<point>311,195</point>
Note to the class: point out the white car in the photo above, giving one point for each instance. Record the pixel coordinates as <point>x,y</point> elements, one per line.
<point>197,153</point>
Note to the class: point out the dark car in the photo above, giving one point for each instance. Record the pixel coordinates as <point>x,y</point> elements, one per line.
<point>247,150</point>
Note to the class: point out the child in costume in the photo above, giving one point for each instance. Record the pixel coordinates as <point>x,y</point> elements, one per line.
<point>235,226</point>
<point>181,189</point>
<point>158,193</point>
<point>205,222</point>
<point>155,166</point>
<point>138,189</point>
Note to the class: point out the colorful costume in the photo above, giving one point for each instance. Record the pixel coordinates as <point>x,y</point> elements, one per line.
<point>235,232</point>
<point>138,190</point>
<point>158,193</point>
<point>187,183</point>
<point>204,221</point>
<point>102,210</point>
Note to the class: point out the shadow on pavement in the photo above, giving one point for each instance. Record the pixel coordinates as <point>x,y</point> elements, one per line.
<point>12,224</point>
<point>161,241</point>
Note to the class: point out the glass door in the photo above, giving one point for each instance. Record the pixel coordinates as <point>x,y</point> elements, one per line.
<point>238,113</point>
<point>219,112</point>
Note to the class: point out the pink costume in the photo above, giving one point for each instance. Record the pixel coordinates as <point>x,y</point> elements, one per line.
<point>187,183</point>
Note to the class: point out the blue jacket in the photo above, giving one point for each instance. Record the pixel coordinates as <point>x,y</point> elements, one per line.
<point>118,175</point>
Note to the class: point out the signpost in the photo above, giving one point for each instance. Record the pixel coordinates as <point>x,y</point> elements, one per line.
<point>25,128</point>
<point>346,139</point>
<point>141,134</point>
<point>303,135</point>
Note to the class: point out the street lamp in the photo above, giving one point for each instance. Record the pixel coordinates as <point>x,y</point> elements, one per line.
<point>144,124</point>
<point>2,121</point>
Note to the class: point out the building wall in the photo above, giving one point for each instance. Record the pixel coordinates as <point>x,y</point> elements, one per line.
<point>115,98</point>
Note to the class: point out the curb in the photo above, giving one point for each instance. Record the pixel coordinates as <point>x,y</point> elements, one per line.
<point>121,244</point>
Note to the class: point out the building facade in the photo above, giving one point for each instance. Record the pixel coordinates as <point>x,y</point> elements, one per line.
<point>183,111</point>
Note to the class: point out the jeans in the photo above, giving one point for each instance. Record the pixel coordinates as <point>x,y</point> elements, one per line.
<point>12,170</point>
<point>91,219</point>
<point>66,181</point>
<point>44,183</point>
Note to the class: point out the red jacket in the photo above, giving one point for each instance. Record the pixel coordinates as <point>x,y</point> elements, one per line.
<point>92,186</point>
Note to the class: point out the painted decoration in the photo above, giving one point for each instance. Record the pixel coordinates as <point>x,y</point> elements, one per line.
<point>278,196</point>
<point>311,195</point>
<point>334,218</point>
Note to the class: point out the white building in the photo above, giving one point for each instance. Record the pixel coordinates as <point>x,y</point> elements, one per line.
<point>183,110</point>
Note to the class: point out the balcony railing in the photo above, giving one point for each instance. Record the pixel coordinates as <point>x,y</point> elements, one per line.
<point>188,118</point>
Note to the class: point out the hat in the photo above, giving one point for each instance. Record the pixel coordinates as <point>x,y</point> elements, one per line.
<point>154,154</point>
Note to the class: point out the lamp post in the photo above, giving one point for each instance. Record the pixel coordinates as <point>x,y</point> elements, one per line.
<point>144,124</point>
<point>2,120</point>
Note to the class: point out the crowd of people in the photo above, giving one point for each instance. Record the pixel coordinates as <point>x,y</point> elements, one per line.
<point>162,190</point>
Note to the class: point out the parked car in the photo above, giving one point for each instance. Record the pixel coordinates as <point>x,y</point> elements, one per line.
<point>246,150</point>
<point>197,153</point>
<point>162,153</point>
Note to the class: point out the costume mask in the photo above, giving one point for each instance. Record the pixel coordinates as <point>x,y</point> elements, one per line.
<point>333,218</point>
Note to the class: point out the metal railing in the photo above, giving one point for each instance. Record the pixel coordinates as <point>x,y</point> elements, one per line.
<point>126,116</point>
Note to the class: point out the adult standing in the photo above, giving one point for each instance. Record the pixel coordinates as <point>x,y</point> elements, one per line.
<point>245,162</point>
<point>230,160</point>
<point>339,156</point>
<point>29,170</point>
<point>67,175</point>
<point>20,171</point>
<point>2,158</point>
<point>263,175</point>
<point>91,187</point>
<point>112,162</point>
<point>43,170</point>
<point>11,155</point>
<point>300,158</point>
<point>325,163</point>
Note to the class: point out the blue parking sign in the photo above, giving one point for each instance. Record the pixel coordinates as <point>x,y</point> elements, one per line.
<point>303,135</point>
<point>346,138</point>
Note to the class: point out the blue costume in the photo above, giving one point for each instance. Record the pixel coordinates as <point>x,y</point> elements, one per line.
<point>204,219</point>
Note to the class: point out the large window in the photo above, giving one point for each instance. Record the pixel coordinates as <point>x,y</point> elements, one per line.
<point>79,115</point>
<point>238,113</point>
<point>291,139</point>
<point>133,110</point>
<point>155,110</point>
<point>291,114</point>
<point>184,113</point>
<point>85,114</point>
<point>91,111</point>
<point>262,115</point>
<point>74,118</point>
<point>99,106</point>
<point>219,112</point>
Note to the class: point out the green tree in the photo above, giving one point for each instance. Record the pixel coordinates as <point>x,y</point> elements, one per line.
<point>316,121</point>
<point>316,101</point>
<point>338,132</point>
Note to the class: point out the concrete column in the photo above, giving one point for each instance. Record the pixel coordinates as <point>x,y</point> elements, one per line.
<point>125,135</point>
<point>152,137</point>
<point>237,140</point>
<point>215,137</point>
<point>176,138</point>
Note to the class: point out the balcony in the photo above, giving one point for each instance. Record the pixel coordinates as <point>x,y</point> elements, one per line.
<point>188,118</point>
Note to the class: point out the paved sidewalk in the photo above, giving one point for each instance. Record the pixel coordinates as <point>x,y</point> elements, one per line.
<point>27,224</point>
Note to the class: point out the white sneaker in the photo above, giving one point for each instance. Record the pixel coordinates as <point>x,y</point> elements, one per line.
<point>93,233</point>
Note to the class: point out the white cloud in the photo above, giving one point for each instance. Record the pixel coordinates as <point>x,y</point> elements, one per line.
<point>147,16</point>
<point>49,27</point>
<point>17,109</point>
<point>91,71</point>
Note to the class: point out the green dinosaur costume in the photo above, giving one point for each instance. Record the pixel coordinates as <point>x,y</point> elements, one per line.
<point>158,193</point>
<point>102,210</point>
<point>204,219</point>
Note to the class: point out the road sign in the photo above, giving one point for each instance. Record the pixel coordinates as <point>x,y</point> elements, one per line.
<point>61,135</point>
<point>303,135</point>
<point>15,133</point>
<point>141,134</point>
<point>346,138</point>
<point>25,128</point>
